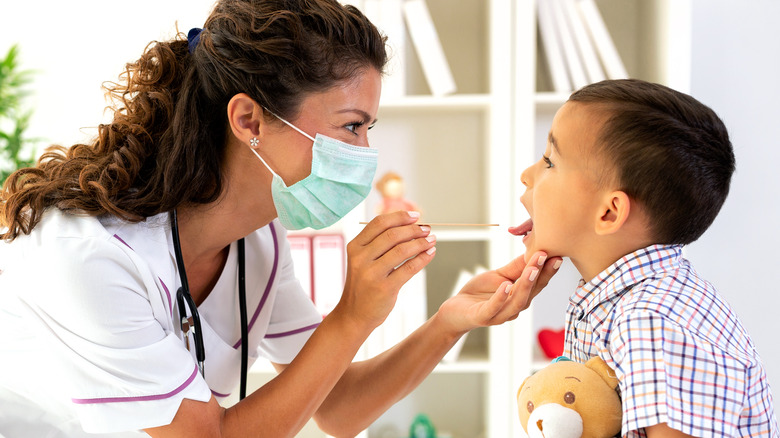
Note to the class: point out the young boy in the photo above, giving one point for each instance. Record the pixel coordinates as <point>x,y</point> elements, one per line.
<point>632,172</point>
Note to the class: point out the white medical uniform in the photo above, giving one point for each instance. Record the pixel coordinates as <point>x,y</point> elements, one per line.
<point>89,339</point>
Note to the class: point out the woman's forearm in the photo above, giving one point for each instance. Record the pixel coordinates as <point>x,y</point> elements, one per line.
<point>283,406</point>
<point>368,388</point>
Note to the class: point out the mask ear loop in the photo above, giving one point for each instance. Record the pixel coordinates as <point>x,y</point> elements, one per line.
<point>254,141</point>
<point>290,125</point>
<point>261,159</point>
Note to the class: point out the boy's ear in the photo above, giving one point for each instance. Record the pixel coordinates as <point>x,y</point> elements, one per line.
<point>245,117</point>
<point>613,213</point>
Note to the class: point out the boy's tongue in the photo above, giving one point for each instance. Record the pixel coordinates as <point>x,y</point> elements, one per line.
<point>522,229</point>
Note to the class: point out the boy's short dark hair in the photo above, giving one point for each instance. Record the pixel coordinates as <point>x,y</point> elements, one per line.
<point>670,152</point>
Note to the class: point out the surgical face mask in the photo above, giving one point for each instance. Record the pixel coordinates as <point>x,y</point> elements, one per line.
<point>340,179</point>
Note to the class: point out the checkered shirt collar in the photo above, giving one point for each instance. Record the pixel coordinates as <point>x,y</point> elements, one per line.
<point>624,274</point>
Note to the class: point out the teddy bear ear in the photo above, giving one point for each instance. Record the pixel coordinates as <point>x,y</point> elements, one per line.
<point>601,368</point>
<point>520,389</point>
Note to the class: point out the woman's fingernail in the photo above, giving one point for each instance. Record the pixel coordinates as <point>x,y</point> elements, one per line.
<point>425,228</point>
<point>430,238</point>
<point>431,250</point>
<point>541,260</point>
<point>508,288</point>
<point>557,264</point>
<point>533,275</point>
<point>414,214</point>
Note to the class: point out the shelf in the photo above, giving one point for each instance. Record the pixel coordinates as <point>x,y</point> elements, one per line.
<point>456,403</point>
<point>262,366</point>
<point>467,235</point>
<point>539,364</point>
<point>441,156</point>
<point>464,366</point>
<point>550,101</point>
<point>455,102</point>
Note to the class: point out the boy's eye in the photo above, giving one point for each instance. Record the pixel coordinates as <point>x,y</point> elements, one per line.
<point>547,161</point>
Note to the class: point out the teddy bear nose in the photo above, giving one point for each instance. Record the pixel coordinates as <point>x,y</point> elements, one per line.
<point>539,426</point>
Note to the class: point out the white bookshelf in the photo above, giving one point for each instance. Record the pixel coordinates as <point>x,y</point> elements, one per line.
<point>452,152</point>
<point>461,156</point>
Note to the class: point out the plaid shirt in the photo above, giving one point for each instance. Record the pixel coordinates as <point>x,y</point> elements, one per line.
<point>678,349</point>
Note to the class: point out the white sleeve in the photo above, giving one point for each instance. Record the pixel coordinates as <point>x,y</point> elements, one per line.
<point>117,364</point>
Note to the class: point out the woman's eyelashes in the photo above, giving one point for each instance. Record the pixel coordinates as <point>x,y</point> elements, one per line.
<point>354,126</point>
<point>547,161</point>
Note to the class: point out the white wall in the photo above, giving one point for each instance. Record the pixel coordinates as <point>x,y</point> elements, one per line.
<point>736,71</point>
<point>74,46</point>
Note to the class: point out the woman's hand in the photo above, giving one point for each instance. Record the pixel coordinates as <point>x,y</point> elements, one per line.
<point>386,254</point>
<point>495,297</point>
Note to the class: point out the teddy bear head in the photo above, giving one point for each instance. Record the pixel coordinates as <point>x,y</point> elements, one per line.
<point>568,399</point>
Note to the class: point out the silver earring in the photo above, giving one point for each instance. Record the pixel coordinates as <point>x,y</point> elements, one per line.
<point>253,142</point>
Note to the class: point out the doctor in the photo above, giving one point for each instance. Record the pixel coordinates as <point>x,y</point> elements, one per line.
<point>138,268</point>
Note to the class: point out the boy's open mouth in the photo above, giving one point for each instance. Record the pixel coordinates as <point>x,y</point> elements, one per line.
<point>523,229</point>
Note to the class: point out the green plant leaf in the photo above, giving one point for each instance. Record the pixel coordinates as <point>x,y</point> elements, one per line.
<point>12,92</point>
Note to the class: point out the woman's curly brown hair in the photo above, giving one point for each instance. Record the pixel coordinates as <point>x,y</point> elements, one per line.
<point>165,144</point>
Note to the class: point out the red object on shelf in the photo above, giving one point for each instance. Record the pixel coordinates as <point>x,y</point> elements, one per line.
<point>551,342</point>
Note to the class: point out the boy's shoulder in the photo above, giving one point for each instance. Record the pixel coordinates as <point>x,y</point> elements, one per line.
<point>676,322</point>
<point>680,302</point>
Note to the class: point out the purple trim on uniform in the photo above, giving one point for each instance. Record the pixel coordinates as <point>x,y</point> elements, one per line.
<point>220,395</point>
<point>120,239</point>
<point>89,401</point>
<point>292,332</point>
<point>168,293</point>
<point>268,285</point>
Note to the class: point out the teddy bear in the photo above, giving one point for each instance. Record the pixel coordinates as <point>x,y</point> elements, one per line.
<point>568,399</point>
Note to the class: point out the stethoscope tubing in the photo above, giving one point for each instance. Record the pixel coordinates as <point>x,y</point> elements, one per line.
<point>243,314</point>
<point>183,294</point>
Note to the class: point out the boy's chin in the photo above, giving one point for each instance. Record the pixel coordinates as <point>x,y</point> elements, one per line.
<point>529,252</point>
<point>531,249</point>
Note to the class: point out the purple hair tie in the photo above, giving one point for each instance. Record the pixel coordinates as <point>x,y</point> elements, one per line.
<point>193,36</point>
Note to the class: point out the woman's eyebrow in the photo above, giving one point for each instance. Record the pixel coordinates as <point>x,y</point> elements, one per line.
<point>364,115</point>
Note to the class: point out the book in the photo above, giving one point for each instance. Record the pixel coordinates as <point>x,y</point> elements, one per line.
<point>300,250</point>
<point>391,23</point>
<point>588,55</point>
<point>464,277</point>
<point>602,41</point>
<point>570,52</point>
<point>428,47</point>
<point>551,45</point>
<point>388,17</point>
<point>329,270</point>
<point>408,314</point>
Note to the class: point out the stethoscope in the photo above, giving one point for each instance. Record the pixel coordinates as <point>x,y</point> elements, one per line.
<point>183,296</point>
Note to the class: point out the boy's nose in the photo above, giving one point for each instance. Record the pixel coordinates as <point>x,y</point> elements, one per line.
<point>525,177</point>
